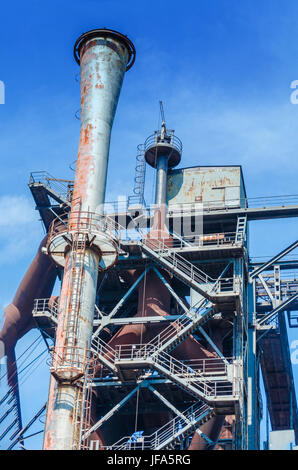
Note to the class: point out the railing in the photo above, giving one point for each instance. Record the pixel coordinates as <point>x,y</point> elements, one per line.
<point>288,287</point>
<point>61,187</point>
<point>286,290</point>
<point>181,373</point>
<point>209,366</point>
<point>169,139</point>
<point>162,249</point>
<point>273,322</point>
<point>208,239</point>
<point>69,362</point>
<point>259,260</point>
<point>179,327</point>
<point>85,222</point>
<point>89,222</point>
<point>122,206</point>
<point>51,307</point>
<point>197,241</point>
<point>65,188</point>
<point>256,202</point>
<point>168,432</point>
<point>102,349</point>
<point>204,367</point>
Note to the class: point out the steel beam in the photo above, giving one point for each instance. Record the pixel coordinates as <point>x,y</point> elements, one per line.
<point>20,436</point>
<point>264,283</point>
<point>252,420</point>
<point>178,413</point>
<point>121,302</point>
<point>275,258</point>
<point>136,320</point>
<point>110,413</point>
<point>282,306</point>
<point>213,345</point>
<point>171,290</point>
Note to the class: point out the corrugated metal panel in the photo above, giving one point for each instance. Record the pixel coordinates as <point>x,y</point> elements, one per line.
<point>213,186</point>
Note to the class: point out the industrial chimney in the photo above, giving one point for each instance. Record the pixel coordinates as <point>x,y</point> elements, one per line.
<point>82,243</point>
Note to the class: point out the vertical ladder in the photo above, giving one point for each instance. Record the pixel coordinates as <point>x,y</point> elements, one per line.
<point>277,286</point>
<point>139,181</point>
<point>84,414</point>
<point>241,229</point>
<point>77,263</point>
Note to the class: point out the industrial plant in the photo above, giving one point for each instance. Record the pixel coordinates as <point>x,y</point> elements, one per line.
<point>166,334</point>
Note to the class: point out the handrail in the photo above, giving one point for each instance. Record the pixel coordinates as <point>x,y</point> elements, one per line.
<point>61,187</point>
<point>169,139</point>
<point>84,222</point>
<point>181,373</point>
<point>169,431</point>
<point>207,206</point>
<point>46,178</point>
<point>43,305</point>
<point>171,332</point>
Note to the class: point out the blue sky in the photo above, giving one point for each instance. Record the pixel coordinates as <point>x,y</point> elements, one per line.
<point>223,69</point>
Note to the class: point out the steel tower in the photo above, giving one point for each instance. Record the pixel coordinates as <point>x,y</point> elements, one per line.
<point>164,324</point>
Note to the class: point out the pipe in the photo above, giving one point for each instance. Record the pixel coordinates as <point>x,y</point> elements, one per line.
<point>38,282</point>
<point>103,55</point>
<point>161,192</point>
<point>161,180</point>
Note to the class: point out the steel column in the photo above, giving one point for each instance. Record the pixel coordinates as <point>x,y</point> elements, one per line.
<point>252,382</point>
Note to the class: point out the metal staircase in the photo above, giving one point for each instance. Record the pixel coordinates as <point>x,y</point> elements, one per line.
<point>208,388</point>
<point>217,388</point>
<point>180,329</point>
<point>58,189</point>
<point>171,433</point>
<point>179,266</point>
<point>164,255</point>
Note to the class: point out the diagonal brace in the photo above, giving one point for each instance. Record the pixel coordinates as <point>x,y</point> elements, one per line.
<point>275,258</point>
<point>278,309</point>
<point>121,301</point>
<point>110,413</point>
<point>177,412</point>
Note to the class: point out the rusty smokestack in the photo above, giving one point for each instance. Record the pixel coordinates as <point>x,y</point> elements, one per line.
<point>104,56</point>
<point>82,245</point>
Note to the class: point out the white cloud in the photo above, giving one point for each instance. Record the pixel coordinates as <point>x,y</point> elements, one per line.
<point>19,232</point>
<point>16,211</point>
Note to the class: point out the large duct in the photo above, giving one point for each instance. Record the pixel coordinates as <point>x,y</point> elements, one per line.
<point>104,56</point>
<point>39,281</point>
